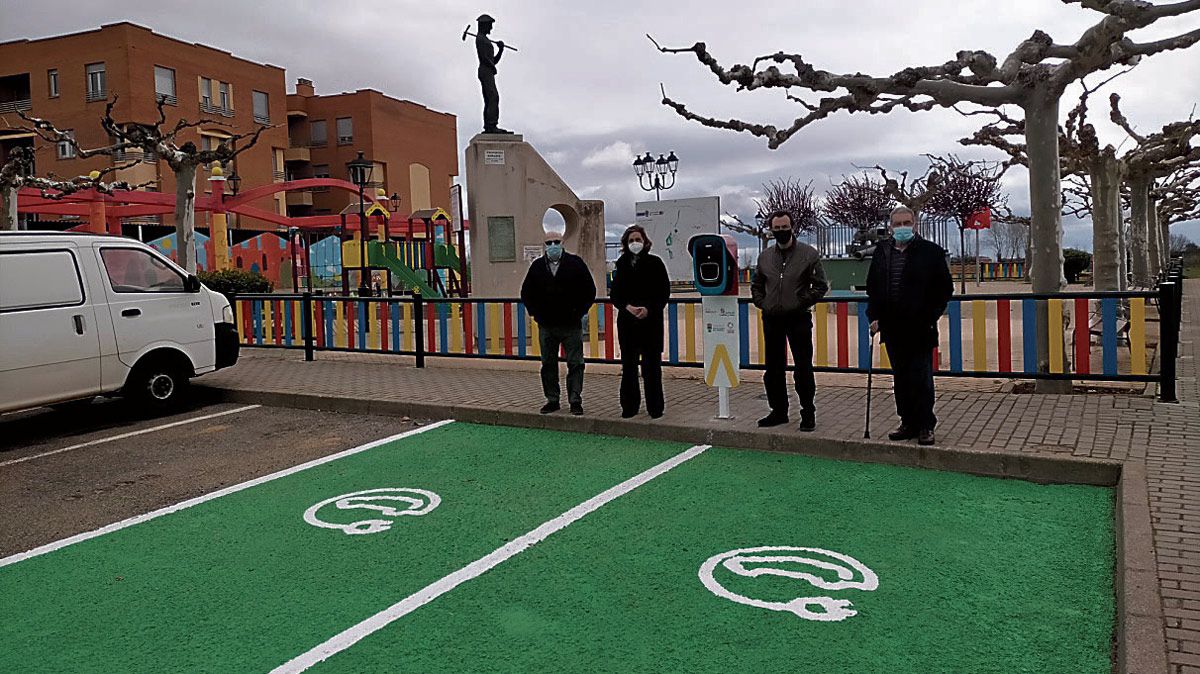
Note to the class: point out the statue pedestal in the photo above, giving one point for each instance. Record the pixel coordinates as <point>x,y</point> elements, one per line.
<point>511,188</point>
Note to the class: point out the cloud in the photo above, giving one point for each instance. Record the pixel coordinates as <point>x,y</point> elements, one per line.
<point>618,154</point>
<point>584,87</point>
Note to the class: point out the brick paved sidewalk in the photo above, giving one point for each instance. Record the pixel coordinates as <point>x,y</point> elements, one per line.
<point>973,415</point>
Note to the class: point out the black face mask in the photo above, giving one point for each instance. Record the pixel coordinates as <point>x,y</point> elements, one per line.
<point>782,236</point>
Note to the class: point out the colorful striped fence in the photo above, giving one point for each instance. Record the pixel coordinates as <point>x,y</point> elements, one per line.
<point>1103,335</point>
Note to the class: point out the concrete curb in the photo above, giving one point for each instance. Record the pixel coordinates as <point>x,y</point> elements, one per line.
<point>1140,639</point>
<point>1140,636</point>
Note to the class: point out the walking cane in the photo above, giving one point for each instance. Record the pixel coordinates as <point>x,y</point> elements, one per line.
<point>870,372</point>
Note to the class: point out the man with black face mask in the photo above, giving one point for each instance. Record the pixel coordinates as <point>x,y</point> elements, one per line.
<point>788,282</point>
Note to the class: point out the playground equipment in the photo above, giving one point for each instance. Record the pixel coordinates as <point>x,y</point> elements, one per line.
<point>308,252</point>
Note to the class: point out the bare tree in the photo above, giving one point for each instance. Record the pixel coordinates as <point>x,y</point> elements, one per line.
<point>1033,76</point>
<point>860,202</point>
<point>160,140</point>
<point>1008,239</point>
<point>794,196</point>
<point>18,172</point>
<point>1156,156</point>
<point>915,193</point>
<point>1178,244</point>
<point>757,229</point>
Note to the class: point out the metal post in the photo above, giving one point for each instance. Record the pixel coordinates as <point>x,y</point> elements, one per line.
<point>1168,340</point>
<point>306,316</point>
<point>364,290</point>
<point>419,326</point>
<point>723,402</point>
<point>962,259</point>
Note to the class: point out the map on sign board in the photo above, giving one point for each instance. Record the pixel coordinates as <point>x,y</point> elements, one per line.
<point>670,223</point>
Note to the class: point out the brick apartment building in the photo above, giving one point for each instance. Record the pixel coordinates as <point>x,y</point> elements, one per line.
<point>414,149</point>
<point>67,79</point>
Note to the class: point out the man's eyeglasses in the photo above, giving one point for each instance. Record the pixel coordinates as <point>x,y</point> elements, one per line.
<point>553,241</point>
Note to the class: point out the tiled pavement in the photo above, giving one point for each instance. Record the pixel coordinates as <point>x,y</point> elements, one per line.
<point>978,415</point>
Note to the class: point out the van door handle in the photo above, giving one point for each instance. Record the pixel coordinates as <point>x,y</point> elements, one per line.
<point>78,324</point>
<point>131,313</point>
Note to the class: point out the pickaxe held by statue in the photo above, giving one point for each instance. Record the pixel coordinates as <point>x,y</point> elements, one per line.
<point>467,32</point>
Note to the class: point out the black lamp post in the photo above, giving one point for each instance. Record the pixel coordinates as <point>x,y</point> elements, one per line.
<point>360,175</point>
<point>234,181</point>
<point>655,172</point>
<point>394,202</point>
<point>758,221</point>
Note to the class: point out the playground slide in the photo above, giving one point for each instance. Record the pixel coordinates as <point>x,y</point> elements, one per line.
<point>385,256</point>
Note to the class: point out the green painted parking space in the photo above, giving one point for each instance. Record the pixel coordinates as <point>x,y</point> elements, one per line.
<point>243,582</point>
<point>971,574</point>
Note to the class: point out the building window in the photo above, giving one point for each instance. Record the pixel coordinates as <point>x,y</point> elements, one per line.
<point>205,94</point>
<point>97,86</point>
<point>262,107</point>
<point>66,148</point>
<point>52,82</point>
<point>223,88</point>
<point>164,85</point>
<point>320,170</point>
<point>317,134</point>
<point>345,130</point>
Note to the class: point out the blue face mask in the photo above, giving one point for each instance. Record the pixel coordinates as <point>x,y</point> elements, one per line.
<point>903,234</point>
<point>554,251</point>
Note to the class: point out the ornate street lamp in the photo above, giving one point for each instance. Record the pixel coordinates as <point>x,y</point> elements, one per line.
<point>652,174</point>
<point>234,181</point>
<point>360,175</point>
<point>394,202</point>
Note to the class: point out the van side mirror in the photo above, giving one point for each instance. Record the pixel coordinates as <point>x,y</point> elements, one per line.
<point>192,284</point>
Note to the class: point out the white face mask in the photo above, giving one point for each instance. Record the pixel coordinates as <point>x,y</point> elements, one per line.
<point>636,247</point>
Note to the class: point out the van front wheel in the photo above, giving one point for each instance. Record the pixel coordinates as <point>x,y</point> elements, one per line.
<point>158,384</point>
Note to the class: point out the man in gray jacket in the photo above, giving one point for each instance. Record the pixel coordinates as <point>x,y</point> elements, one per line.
<point>788,282</point>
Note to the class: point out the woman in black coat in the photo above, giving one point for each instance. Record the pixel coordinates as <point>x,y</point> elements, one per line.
<point>640,289</point>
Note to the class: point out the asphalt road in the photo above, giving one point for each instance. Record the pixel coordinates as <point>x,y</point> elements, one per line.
<point>67,472</point>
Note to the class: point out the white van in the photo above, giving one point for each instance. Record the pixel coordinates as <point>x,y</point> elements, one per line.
<point>83,315</point>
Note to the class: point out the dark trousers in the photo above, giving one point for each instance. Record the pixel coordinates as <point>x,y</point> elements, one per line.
<point>912,382</point>
<point>550,338</point>
<point>491,100</point>
<point>779,332</point>
<point>639,347</point>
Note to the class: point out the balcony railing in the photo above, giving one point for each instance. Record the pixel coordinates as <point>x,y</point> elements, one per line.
<point>13,106</point>
<point>97,95</point>
<point>279,176</point>
<point>135,155</point>
<point>262,119</point>
<point>167,99</point>
<point>215,109</point>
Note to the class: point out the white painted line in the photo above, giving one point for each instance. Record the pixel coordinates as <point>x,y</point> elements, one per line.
<point>130,434</point>
<point>477,568</point>
<point>116,526</point>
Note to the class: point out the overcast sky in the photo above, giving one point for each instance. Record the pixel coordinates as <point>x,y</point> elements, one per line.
<point>584,87</point>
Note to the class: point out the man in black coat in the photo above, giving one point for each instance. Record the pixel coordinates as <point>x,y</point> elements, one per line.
<point>787,283</point>
<point>908,288</point>
<point>640,290</point>
<point>558,291</point>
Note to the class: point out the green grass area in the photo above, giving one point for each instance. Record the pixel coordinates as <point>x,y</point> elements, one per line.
<point>974,574</point>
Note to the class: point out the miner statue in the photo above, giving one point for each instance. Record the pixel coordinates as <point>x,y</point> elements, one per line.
<point>489,56</point>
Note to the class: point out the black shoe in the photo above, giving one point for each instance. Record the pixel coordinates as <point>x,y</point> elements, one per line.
<point>628,415</point>
<point>808,422</point>
<point>926,437</point>
<point>902,433</point>
<point>577,409</point>
<point>655,415</point>
<point>772,419</point>
<point>550,407</point>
